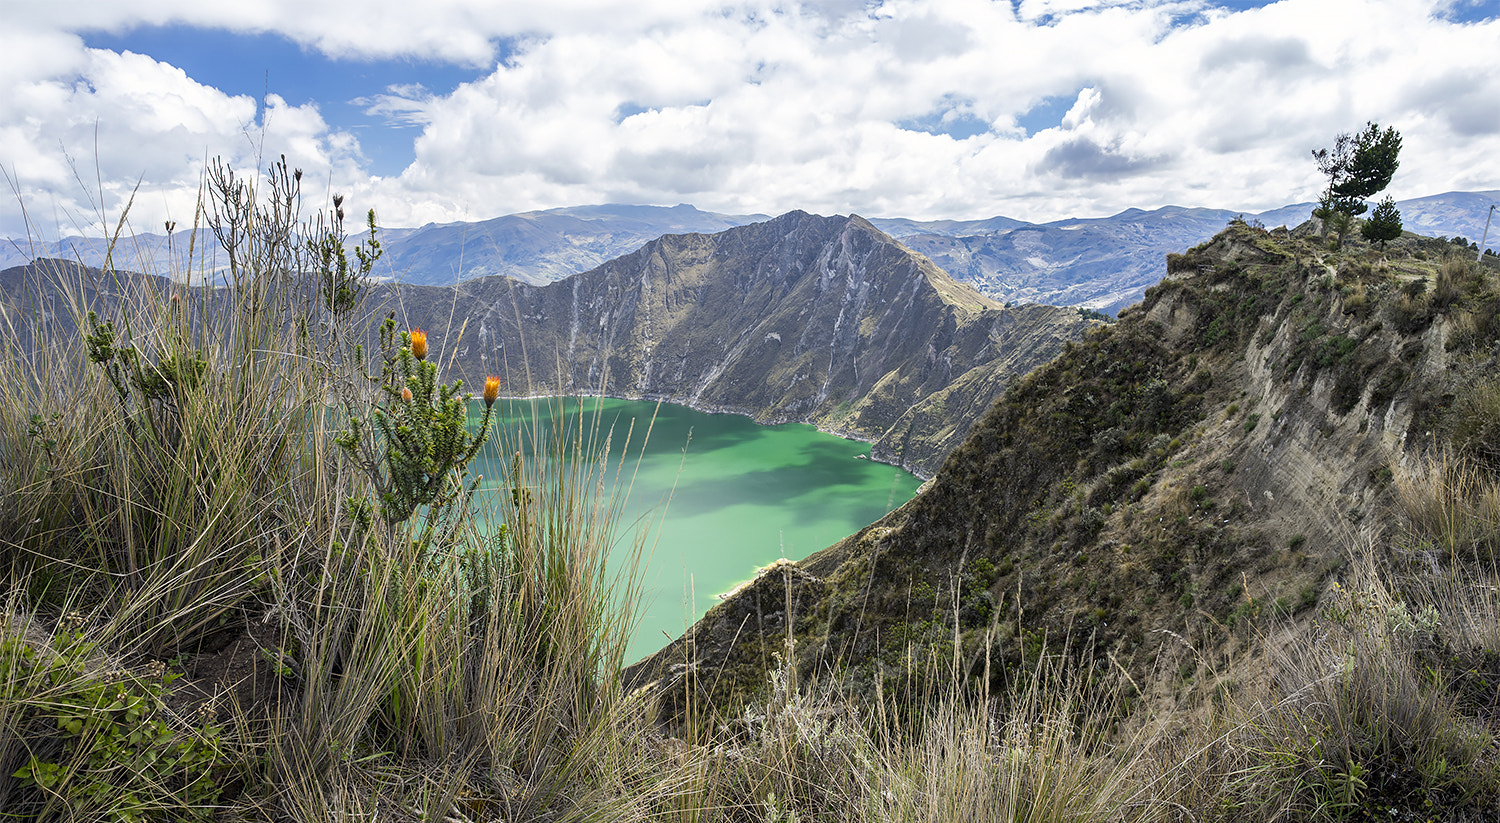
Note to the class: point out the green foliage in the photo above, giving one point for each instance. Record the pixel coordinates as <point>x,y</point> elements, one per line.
<point>340,286</point>
<point>415,445</point>
<point>1341,222</point>
<point>97,744</point>
<point>178,368</point>
<point>173,469</point>
<point>1370,166</point>
<point>1357,167</point>
<point>45,431</point>
<point>197,405</point>
<point>1384,223</point>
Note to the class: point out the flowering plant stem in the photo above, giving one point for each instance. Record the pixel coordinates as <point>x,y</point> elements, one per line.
<point>415,446</point>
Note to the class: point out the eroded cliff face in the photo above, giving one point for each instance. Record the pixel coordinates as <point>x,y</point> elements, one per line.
<point>1146,498</point>
<point>824,320</point>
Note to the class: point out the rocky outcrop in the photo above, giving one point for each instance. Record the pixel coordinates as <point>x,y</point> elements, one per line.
<point>823,320</point>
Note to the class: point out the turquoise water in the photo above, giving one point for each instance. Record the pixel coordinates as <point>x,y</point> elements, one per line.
<point>741,495</point>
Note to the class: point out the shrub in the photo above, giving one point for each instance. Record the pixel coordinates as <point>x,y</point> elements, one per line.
<point>1451,504</point>
<point>1451,275</point>
<point>1409,315</point>
<point>183,484</point>
<point>1179,263</point>
<point>1365,728</point>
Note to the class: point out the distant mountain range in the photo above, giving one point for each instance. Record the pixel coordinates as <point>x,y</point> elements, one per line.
<point>1108,263</point>
<point>1101,263</point>
<point>540,247</point>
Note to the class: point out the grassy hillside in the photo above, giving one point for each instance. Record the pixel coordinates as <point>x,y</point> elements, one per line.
<point>242,580</point>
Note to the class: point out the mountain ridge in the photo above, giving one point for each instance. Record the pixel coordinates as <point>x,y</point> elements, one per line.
<point>802,318</point>
<point>1096,262</point>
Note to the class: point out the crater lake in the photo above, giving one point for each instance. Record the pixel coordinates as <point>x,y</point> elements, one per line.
<point>720,495</point>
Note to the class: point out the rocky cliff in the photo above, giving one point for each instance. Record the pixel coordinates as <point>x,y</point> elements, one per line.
<point>1208,461</point>
<point>803,318</point>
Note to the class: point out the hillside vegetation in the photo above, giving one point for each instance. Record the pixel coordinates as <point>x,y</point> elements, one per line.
<point>243,580</point>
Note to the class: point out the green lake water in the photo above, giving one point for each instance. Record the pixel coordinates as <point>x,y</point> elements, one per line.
<point>742,495</point>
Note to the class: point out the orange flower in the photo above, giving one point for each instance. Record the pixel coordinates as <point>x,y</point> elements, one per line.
<point>491,390</point>
<point>419,344</point>
<point>406,393</point>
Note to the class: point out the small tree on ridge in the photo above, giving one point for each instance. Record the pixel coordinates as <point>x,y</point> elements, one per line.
<point>1384,223</point>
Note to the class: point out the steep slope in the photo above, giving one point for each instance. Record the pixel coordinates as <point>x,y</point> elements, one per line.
<point>801,318</point>
<point>1207,460</point>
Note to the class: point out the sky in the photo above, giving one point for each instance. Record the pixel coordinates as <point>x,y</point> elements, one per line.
<point>464,110</point>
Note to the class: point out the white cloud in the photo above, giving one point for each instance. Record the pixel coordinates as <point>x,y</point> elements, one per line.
<point>831,107</point>
<point>105,130</point>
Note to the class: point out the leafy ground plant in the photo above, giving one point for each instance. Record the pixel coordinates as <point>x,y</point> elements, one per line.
<point>94,742</point>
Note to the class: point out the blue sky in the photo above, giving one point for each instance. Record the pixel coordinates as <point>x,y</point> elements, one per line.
<point>255,63</point>
<point>469,109</point>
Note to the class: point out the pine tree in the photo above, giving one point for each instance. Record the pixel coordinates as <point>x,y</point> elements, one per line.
<point>1384,223</point>
<point>1372,165</point>
<point>1357,167</point>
